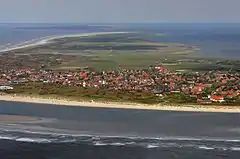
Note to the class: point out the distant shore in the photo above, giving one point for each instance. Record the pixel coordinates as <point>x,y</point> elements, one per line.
<point>173,107</point>
<point>46,40</point>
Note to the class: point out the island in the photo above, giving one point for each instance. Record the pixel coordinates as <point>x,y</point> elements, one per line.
<point>125,69</point>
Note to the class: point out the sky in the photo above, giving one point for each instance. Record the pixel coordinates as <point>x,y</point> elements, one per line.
<point>112,11</point>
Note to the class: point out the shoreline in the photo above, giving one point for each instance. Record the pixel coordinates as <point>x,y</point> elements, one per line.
<point>48,39</point>
<point>118,105</point>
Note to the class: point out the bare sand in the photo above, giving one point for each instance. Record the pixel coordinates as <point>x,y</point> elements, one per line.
<point>66,102</point>
<point>47,40</point>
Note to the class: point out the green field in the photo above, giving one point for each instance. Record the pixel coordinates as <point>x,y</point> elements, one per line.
<point>83,94</point>
<point>113,51</point>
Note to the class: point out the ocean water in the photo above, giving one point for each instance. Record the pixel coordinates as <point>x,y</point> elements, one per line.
<point>95,147</point>
<point>221,40</point>
<point>100,133</point>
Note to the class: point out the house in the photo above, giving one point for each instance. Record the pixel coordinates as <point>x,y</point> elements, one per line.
<point>231,95</point>
<point>216,98</point>
<point>5,88</point>
<point>3,82</point>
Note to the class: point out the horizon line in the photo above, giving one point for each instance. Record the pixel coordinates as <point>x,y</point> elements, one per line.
<point>170,22</point>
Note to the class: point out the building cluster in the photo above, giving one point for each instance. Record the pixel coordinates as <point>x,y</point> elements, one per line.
<point>208,87</point>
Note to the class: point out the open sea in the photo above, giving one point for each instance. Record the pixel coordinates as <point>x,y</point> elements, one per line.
<point>97,133</point>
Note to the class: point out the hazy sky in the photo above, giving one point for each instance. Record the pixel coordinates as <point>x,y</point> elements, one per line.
<point>119,10</point>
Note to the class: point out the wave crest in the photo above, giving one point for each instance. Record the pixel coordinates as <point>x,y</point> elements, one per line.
<point>47,137</point>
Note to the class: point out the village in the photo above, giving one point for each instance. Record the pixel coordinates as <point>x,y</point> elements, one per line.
<point>203,87</point>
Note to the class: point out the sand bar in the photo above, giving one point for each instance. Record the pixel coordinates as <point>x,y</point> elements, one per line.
<point>16,119</point>
<point>66,102</point>
<point>47,40</point>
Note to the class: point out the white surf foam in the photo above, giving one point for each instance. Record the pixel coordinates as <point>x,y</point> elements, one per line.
<point>206,147</point>
<point>145,144</point>
<point>117,144</point>
<point>59,132</point>
<point>196,139</point>
<point>100,144</point>
<point>171,138</point>
<point>7,138</point>
<point>45,135</point>
<point>152,146</point>
<point>235,148</point>
<point>98,137</point>
<point>41,131</point>
<point>69,141</point>
<point>34,140</point>
<point>113,144</point>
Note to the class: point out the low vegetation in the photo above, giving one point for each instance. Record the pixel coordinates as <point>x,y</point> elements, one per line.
<point>113,51</point>
<point>57,91</point>
<point>80,94</point>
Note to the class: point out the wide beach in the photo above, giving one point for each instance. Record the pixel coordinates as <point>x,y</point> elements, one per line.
<point>66,102</point>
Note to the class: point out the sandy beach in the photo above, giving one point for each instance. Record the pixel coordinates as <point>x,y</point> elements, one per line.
<point>66,102</point>
<point>46,40</point>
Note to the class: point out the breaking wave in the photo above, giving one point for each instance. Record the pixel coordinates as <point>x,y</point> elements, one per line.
<point>34,140</point>
<point>27,136</point>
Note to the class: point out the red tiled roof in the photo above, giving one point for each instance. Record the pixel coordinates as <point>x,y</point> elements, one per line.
<point>217,98</point>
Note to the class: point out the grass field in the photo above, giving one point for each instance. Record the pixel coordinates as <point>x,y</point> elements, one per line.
<point>114,51</point>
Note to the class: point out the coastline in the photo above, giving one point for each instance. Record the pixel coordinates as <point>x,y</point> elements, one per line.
<point>46,40</point>
<point>118,105</point>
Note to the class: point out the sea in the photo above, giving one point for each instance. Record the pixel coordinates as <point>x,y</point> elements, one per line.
<point>98,133</point>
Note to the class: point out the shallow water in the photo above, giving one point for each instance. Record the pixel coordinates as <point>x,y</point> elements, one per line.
<point>74,132</point>
<point>34,145</point>
<point>22,34</point>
